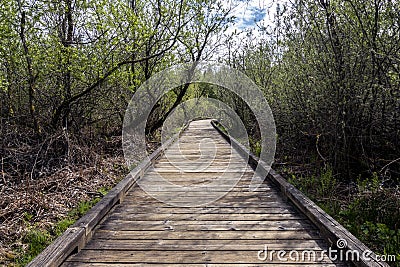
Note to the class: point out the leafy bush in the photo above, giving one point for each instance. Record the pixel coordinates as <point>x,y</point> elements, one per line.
<point>372,214</point>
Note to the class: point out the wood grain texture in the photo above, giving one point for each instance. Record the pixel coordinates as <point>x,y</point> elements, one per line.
<point>230,231</point>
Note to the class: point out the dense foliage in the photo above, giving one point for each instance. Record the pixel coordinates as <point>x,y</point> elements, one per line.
<point>330,70</point>
<point>72,66</point>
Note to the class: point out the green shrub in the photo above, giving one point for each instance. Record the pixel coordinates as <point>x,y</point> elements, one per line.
<point>61,226</point>
<point>255,146</point>
<point>317,187</point>
<point>37,239</point>
<point>372,214</point>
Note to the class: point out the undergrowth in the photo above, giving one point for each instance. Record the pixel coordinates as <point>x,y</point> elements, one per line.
<point>38,238</point>
<point>367,209</point>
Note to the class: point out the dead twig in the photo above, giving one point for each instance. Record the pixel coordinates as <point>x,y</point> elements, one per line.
<point>3,175</point>
<point>390,163</point>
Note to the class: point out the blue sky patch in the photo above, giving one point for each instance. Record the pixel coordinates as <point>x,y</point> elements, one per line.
<point>251,16</point>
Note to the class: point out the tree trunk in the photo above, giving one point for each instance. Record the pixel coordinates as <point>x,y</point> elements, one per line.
<point>68,32</point>
<point>31,77</point>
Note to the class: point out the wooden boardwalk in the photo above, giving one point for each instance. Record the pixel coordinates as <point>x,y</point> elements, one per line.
<point>142,231</point>
<point>217,222</point>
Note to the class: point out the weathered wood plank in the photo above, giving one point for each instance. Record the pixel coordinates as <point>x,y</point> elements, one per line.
<point>203,244</point>
<point>220,235</point>
<point>200,256</point>
<point>204,217</point>
<point>205,225</point>
<point>265,199</point>
<point>154,205</point>
<point>134,209</point>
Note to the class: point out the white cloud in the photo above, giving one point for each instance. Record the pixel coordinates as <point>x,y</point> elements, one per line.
<point>249,15</point>
<point>250,12</point>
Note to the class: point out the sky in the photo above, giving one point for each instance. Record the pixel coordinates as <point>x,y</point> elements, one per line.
<point>250,12</point>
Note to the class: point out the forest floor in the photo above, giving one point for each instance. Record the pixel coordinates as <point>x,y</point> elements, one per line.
<point>41,203</point>
<point>367,209</point>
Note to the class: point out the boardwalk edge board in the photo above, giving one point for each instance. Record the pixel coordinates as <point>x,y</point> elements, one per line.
<point>330,229</point>
<point>76,236</point>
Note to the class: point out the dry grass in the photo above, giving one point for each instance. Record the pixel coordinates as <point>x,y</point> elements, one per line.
<point>41,181</point>
<point>44,201</point>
